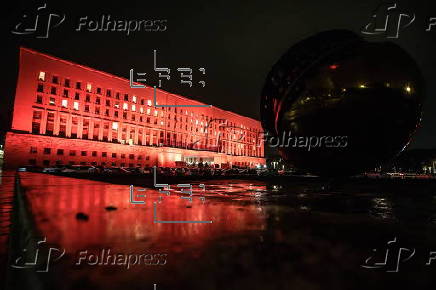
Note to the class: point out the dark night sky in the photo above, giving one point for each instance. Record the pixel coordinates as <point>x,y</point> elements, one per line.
<point>237,43</point>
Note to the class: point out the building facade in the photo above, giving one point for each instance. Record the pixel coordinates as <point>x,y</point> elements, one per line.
<point>69,114</point>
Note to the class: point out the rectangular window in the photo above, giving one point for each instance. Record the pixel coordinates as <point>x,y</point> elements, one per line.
<point>94,153</point>
<point>77,96</point>
<point>33,150</point>
<point>131,156</point>
<point>40,88</point>
<point>65,93</point>
<point>108,93</point>
<point>55,80</point>
<point>79,85</point>
<point>41,76</point>
<point>65,103</point>
<point>60,152</point>
<point>103,154</point>
<point>72,152</point>
<point>67,83</point>
<point>47,150</point>
<point>39,99</point>
<point>88,87</point>
<point>53,90</point>
<point>115,125</point>
<point>123,155</point>
<point>87,108</point>
<point>114,155</point>
<point>52,101</point>
<point>99,91</point>
<point>125,106</point>
<point>83,153</point>
<point>76,106</point>
<point>134,99</point>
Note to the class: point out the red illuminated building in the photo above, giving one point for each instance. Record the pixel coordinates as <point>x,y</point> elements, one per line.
<point>66,114</point>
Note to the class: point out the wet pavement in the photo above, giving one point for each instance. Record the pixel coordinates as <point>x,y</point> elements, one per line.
<point>262,235</point>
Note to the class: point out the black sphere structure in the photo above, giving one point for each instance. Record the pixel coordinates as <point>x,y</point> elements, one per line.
<point>337,105</point>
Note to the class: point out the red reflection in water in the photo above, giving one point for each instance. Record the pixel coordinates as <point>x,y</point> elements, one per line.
<point>55,201</point>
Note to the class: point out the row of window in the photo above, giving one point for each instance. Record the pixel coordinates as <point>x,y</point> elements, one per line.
<point>48,151</point>
<point>125,106</point>
<point>47,163</point>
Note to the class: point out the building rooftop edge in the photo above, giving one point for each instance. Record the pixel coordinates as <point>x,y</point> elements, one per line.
<point>22,48</point>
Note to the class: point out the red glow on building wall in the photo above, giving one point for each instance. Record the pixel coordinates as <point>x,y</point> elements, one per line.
<point>66,114</point>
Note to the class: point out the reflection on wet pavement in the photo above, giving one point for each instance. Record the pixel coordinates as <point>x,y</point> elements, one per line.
<point>262,235</point>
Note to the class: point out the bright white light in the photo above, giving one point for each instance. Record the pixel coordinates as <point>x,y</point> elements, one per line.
<point>64,103</point>
<point>76,105</point>
<point>41,76</point>
<point>115,125</point>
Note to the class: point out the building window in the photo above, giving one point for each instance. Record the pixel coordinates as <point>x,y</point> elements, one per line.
<point>116,113</point>
<point>47,150</point>
<point>97,110</point>
<point>76,105</point>
<point>99,91</point>
<point>115,125</point>
<point>67,83</point>
<point>131,156</point>
<point>39,99</point>
<point>103,154</point>
<point>123,155</point>
<point>114,155</point>
<point>108,93</point>
<point>40,88</point>
<point>125,106</point>
<point>134,99</point>
<point>88,87</point>
<point>64,103</point>
<point>66,93</point>
<point>97,101</point>
<point>126,97</point>
<point>33,150</point>
<point>87,108</point>
<point>41,76</point>
<point>53,90</point>
<point>55,80</point>
<point>94,153</point>
<point>72,152</point>
<point>83,153</point>
<point>88,98</point>
<point>133,108</point>
<point>149,102</point>
<point>147,157</point>
<point>79,85</point>
<point>60,152</point>
<point>52,101</point>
